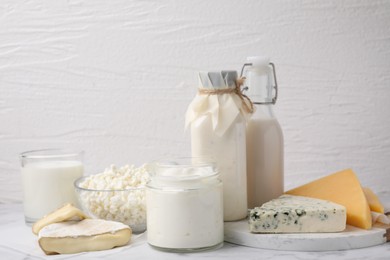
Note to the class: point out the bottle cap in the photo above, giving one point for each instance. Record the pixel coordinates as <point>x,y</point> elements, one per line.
<point>258,61</point>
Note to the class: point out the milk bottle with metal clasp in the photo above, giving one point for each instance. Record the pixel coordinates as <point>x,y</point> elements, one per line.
<point>265,159</point>
<point>217,117</point>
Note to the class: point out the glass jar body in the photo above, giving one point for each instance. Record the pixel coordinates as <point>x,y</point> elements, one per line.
<point>184,207</point>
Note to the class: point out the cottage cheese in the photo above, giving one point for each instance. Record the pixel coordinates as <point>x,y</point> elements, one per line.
<point>121,195</point>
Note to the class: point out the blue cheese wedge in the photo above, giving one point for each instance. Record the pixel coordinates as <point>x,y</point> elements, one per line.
<point>297,214</point>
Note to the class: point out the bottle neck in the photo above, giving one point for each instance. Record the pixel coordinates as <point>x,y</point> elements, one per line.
<point>263,111</point>
<point>259,85</point>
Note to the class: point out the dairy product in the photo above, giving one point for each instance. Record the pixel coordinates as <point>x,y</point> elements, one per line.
<point>264,137</point>
<point>373,201</point>
<point>217,117</point>
<point>296,214</point>
<point>264,159</point>
<point>226,150</point>
<point>185,209</point>
<point>185,220</point>
<point>342,188</point>
<point>67,212</point>
<point>47,185</point>
<point>117,194</point>
<point>117,178</point>
<point>86,235</point>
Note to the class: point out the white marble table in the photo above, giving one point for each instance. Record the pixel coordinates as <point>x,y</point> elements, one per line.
<point>18,242</point>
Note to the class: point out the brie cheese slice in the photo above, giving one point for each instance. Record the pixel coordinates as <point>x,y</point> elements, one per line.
<point>65,213</point>
<point>80,236</point>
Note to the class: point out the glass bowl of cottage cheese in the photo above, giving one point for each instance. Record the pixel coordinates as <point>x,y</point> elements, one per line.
<point>116,194</point>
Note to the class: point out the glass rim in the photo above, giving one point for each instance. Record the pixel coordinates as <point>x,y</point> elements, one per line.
<point>168,188</point>
<point>199,163</point>
<point>202,161</point>
<point>50,153</point>
<point>76,184</point>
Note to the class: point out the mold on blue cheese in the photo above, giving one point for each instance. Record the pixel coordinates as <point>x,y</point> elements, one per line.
<point>297,214</point>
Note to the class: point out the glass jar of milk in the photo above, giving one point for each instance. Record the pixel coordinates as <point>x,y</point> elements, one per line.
<point>264,135</point>
<point>184,205</point>
<point>217,117</point>
<point>47,180</point>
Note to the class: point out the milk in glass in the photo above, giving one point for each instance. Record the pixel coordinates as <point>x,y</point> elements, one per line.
<point>47,180</point>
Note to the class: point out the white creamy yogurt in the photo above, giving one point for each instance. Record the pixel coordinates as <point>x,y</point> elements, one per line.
<point>185,209</point>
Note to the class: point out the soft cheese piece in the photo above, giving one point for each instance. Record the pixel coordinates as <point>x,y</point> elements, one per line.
<point>296,214</point>
<point>80,236</point>
<point>373,201</point>
<point>342,188</point>
<point>67,212</point>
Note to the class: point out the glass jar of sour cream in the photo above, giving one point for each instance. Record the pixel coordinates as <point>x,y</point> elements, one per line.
<point>184,205</point>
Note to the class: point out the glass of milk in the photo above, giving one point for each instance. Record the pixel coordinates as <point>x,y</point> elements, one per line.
<point>47,180</point>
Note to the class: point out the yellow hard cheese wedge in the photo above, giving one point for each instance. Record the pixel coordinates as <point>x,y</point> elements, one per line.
<point>343,188</point>
<point>373,201</point>
<point>65,213</point>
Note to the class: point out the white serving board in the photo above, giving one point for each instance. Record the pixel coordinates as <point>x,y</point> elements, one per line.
<point>351,238</point>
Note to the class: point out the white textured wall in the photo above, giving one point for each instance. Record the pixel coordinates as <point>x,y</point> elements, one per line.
<point>114,78</point>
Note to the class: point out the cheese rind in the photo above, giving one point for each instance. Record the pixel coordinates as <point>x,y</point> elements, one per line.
<point>80,236</point>
<point>70,245</point>
<point>296,214</point>
<point>342,188</point>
